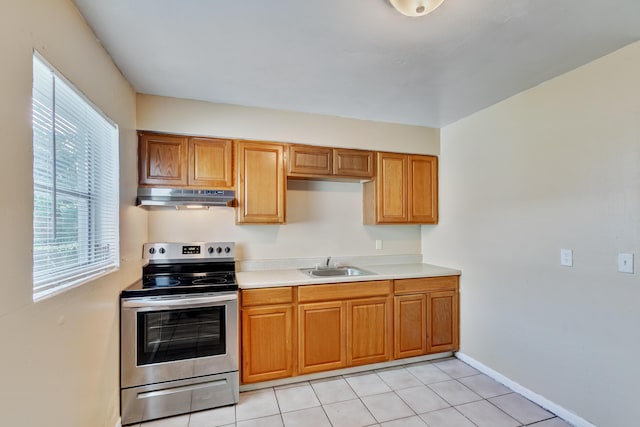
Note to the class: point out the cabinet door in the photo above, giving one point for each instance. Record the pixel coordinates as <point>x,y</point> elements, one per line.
<point>261,183</point>
<point>308,160</point>
<point>423,189</point>
<point>368,331</point>
<point>267,348</point>
<point>442,321</point>
<point>321,336</point>
<point>163,159</point>
<point>210,163</point>
<point>410,326</point>
<point>385,198</point>
<point>353,163</point>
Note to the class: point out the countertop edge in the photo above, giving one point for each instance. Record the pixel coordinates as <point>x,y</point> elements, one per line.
<point>295,277</point>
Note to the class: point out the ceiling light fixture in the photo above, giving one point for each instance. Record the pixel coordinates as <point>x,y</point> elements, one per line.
<point>415,8</point>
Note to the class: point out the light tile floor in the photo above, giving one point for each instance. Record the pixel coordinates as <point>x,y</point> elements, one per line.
<point>443,393</point>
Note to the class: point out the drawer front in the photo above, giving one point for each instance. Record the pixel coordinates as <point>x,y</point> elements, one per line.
<point>425,284</point>
<point>267,296</point>
<point>343,291</point>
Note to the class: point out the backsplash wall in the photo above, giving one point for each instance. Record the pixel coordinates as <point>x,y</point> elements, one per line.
<point>323,219</point>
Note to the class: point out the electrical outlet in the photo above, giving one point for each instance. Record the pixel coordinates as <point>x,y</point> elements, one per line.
<point>378,244</point>
<point>625,263</point>
<point>566,257</point>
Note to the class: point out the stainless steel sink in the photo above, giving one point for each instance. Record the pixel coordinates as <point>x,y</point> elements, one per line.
<point>336,271</point>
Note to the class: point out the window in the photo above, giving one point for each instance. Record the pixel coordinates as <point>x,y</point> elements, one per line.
<point>75,186</point>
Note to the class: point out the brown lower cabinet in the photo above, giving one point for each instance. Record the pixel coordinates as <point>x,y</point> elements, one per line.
<point>288,331</point>
<point>425,316</point>
<point>268,331</point>
<point>368,331</point>
<point>321,336</point>
<point>410,325</point>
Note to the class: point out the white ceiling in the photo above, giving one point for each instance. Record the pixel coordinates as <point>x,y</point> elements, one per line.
<point>356,58</point>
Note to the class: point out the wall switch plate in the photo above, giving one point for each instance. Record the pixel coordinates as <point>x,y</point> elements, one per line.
<point>378,244</point>
<point>625,263</point>
<point>566,257</point>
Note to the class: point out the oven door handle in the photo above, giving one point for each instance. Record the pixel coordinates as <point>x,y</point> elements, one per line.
<point>160,304</point>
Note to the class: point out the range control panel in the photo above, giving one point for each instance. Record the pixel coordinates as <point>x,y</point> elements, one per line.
<point>175,251</point>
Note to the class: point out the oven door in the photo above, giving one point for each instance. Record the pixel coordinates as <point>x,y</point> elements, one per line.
<point>176,337</point>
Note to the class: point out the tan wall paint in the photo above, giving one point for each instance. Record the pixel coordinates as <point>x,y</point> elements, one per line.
<point>323,218</point>
<point>204,118</point>
<point>59,357</point>
<point>557,166</point>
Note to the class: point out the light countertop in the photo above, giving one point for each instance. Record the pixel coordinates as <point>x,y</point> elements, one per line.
<point>295,277</point>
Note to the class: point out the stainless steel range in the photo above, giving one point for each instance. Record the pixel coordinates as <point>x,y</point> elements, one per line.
<point>179,332</point>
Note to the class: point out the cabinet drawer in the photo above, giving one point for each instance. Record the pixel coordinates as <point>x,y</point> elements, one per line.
<point>342,291</point>
<point>267,296</point>
<point>425,284</point>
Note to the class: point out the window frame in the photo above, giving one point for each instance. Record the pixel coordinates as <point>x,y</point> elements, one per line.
<point>94,143</point>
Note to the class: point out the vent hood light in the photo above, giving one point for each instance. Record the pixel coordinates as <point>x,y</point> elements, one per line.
<point>191,207</point>
<point>415,8</point>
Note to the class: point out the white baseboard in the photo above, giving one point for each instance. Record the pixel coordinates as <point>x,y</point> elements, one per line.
<point>561,412</point>
<point>118,422</point>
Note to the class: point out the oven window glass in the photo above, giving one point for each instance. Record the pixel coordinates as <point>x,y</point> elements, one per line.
<point>165,336</point>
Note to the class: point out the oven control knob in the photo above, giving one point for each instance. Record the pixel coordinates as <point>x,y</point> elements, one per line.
<point>162,250</point>
<point>227,250</point>
<point>152,251</point>
<point>210,250</point>
<point>218,249</point>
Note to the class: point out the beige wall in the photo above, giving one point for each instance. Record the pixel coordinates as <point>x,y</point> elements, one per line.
<point>323,218</point>
<point>557,166</point>
<point>59,357</point>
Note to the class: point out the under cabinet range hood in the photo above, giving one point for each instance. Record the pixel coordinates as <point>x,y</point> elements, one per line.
<point>182,198</point>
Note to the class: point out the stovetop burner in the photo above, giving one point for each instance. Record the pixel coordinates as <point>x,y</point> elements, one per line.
<point>185,268</point>
<point>159,282</point>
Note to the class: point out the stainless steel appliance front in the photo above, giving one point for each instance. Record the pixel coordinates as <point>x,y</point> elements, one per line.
<point>179,353</point>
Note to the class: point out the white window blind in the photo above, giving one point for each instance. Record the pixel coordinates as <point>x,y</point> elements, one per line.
<point>75,186</point>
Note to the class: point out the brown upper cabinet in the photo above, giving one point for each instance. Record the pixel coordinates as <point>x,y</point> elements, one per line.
<point>353,163</point>
<point>180,161</point>
<point>405,190</point>
<point>307,161</point>
<point>261,183</point>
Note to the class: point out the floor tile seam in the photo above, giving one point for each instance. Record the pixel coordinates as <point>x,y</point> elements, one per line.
<point>401,399</point>
<point>464,416</point>
<point>451,404</point>
<point>546,419</point>
<point>255,418</point>
<point>462,376</point>
<point>504,412</point>
<point>369,411</point>
<point>349,400</point>
<point>435,382</point>
<point>542,420</point>
<point>324,411</point>
<point>416,412</point>
<point>488,397</point>
<point>400,369</point>
<point>521,422</point>
<point>450,407</point>
<point>300,409</point>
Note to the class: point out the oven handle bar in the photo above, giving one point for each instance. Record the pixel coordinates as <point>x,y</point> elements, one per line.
<point>178,302</point>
